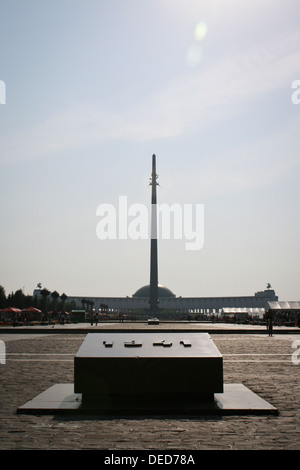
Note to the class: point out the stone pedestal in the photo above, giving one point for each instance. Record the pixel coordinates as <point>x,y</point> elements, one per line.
<point>148,366</point>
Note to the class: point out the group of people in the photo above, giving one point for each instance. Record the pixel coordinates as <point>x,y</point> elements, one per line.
<point>94,319</point>
<point>62,318</point>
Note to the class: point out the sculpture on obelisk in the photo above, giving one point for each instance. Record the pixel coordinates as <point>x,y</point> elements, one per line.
<point>153,249</point>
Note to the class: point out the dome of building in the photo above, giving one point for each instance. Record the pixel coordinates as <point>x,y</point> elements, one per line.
<point>162,292</point>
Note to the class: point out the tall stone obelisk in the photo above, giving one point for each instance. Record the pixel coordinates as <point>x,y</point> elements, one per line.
<point>153,249</point>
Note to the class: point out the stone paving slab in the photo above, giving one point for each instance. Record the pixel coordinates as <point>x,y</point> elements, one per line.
<point>266,365</point>
<point>235,399</point>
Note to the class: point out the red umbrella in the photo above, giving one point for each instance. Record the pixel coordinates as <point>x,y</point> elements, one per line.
<point>12,309</point>
<point>31,310</point>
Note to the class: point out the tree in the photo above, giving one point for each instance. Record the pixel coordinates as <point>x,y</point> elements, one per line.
<point>55,296</point>
<point>44,293</point>
<point>17,299</point>
<point>2,297</point>
<point>63,298</point>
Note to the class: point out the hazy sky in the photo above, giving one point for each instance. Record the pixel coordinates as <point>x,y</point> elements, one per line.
<point>95,87</point>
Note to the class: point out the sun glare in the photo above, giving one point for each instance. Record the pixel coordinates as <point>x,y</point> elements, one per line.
<point>200,31</point>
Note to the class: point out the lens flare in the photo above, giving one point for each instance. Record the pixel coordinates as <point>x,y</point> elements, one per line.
<point>194,55</point>
<point>200,31</point>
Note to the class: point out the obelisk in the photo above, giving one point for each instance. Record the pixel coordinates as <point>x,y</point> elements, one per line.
<point>153,248</point>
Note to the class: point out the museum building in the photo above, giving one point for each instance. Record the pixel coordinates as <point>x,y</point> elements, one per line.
<point>139,301</point>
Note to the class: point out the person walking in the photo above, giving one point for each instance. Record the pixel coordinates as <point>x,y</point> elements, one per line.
<point>269,323</point>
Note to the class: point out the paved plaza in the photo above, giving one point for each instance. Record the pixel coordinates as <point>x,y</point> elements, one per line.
<point>37,360</point>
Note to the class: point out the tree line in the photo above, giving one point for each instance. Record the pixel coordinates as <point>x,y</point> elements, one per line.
<point>46,301</point>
